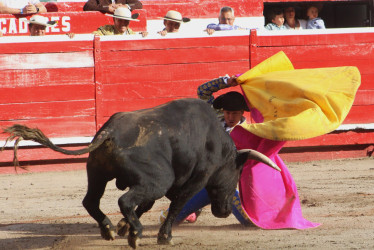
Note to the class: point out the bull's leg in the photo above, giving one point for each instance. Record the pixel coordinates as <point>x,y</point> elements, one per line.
<point>96,188</point>
<point>137,195</point>
<point>123,227</point>
<point>189,190</point>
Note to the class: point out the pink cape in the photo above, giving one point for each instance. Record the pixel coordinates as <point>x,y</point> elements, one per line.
<point>269,197</point>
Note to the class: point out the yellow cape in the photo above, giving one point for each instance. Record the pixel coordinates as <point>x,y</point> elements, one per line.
<point>298,104</point>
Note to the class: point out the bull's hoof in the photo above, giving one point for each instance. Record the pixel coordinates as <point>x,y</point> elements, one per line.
<point>133,241</point>
<point>163,239</point>
<point>107,233</point>
<point>122,227</point>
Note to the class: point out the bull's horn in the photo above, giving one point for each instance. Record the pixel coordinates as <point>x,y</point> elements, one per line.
<point>255,155</point>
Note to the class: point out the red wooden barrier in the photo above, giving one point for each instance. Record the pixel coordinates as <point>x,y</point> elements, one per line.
<point>154,71</point>
<point>46,84</point>
<point>68,88</point>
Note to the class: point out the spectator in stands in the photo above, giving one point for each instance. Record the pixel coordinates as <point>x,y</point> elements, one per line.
<point>291,22</point>
<point>121,18</point>
<point>314,22</point>
<point>38,25</point>
<point>172,22</point>
<point>109,6</point>
<point>276,20</point>
<point>21,7</point>
<point>226,20</point>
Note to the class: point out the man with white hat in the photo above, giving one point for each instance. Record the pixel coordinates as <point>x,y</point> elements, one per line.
<point>121,18</point>
<point>21,7</point>
<point>172,22</point>
<point>38,25</point>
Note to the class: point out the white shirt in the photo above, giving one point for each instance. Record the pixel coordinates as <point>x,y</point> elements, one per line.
<point>227,128</point>
<point>302,24</point>
<point>18,4</point>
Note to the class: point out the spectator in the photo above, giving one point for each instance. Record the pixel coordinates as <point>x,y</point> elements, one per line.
<point>226,21</point>
<point>172,22</point>
<point>291,22</point>
<point>314,22</point>
<point>109,6</point>
<point>21,7</point>
<point>276,20</point>
<point>38,25</point>
<point>121,18</point>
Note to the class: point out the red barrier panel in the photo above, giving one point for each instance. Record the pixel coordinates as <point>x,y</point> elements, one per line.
<point>68,88</point>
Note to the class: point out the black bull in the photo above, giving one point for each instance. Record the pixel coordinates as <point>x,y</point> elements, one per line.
<point>172,150</point>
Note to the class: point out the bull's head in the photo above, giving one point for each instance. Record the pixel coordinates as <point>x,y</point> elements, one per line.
<point>221,187</point>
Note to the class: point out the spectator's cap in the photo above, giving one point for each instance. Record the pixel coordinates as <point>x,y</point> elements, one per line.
<point>231,101</point>
<point>41,20</point>
<point>175,16</point>
<point>124,13</point>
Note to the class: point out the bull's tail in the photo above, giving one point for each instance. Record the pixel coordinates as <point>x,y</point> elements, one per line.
<point>25,133</point>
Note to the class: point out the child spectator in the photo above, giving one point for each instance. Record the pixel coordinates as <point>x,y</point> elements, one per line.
<point>277,20</point>
<point>314,22</point>
<point>172,22</point>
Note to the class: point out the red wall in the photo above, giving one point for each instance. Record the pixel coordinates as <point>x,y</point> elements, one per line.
<point>69,88</point>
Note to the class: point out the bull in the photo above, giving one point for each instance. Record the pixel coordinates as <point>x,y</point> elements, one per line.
<point>173,150</point>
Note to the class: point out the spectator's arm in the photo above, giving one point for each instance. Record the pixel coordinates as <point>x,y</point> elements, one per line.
<point>6,10</point>
<point>212,26</point>
<point>93,5</point>
<point>135,4</point>
<point>41,7</point>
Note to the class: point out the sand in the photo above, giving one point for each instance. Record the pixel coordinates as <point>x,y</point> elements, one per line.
<point>44,211</point>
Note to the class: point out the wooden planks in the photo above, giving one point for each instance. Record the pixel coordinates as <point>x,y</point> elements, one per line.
<point>155,71</point>
<point>69,88</point>
<point>49,85</point>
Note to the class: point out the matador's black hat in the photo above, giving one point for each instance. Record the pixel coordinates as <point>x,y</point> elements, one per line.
<point>231,101</point>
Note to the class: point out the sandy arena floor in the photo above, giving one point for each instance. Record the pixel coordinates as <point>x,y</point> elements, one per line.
<point>44,211</point>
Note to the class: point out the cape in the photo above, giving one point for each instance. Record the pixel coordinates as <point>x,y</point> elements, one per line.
<point>298,104</point>
<point>286,104</point>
